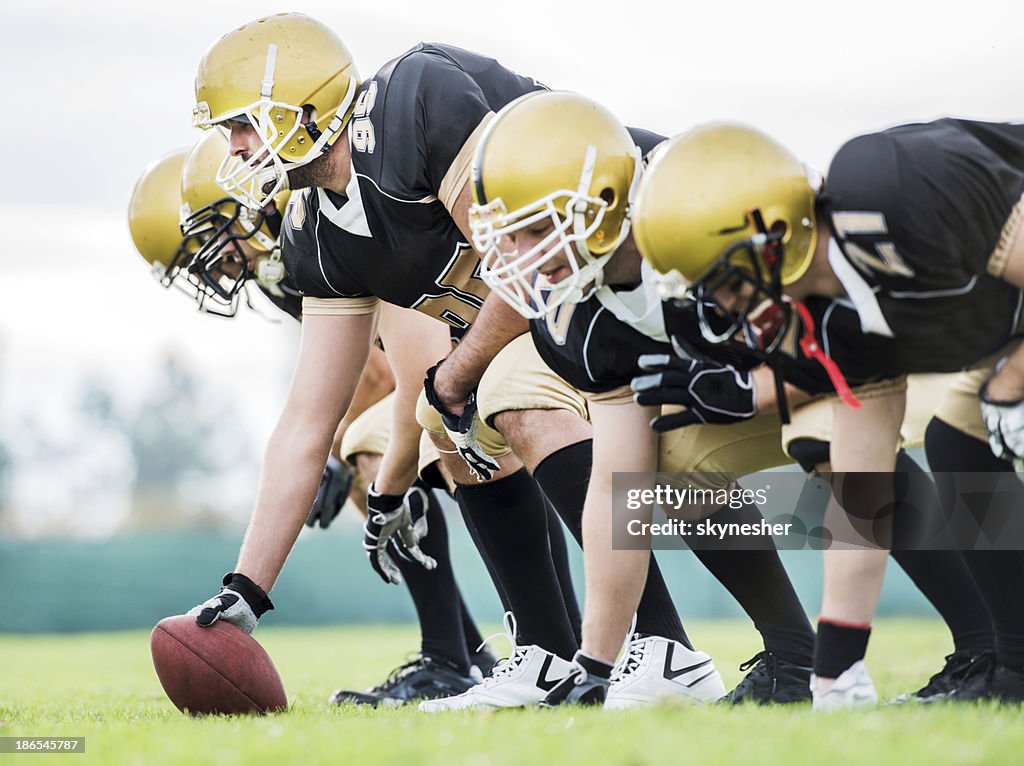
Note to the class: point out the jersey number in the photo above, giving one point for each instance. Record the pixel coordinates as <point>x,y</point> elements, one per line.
<point>461,291</point>
<point>883,258</point>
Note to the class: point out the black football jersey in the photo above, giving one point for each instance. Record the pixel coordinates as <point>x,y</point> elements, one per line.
<point>390,236</point>
<point>916,212</point>
<point>291,302</point>
<point>594,345</point>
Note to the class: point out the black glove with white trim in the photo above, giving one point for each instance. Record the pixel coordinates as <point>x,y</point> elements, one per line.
<point>711,393</point>
<point>240,602</point>
<point>402,517</point>
<point>462,430</point>
<point>330,497</point>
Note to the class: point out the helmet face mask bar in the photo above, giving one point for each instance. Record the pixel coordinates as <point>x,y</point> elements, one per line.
<point>220,268</point>
<point>575,217</point>
<point>765,314</point>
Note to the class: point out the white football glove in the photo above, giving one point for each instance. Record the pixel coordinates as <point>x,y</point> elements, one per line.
<point>1004,422</point>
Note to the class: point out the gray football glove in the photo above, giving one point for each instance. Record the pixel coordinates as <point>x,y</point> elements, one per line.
<point>240,602</point>
<point>401,516</point>
<point>462,430</point>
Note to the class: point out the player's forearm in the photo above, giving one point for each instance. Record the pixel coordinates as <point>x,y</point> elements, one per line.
<point>765,399</point>
<point>398,468</point>
<point>292,467</point>
<point>376,382</point>
<point>614,578</point>
<point>496,325</point>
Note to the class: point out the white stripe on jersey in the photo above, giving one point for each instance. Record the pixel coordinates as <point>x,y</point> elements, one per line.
<point>860,292</point>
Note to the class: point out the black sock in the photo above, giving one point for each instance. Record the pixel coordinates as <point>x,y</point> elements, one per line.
<point>838,647</point>
<point>478,544</point>
<point>999,575</point>
<point>510,517</point>
<point>469,629</point>
<point>435,594</point>
<point>560,558</point>
<point>564,476</point>
<point>940,574</point>
<point>594,666</point>
<point>759,582</point>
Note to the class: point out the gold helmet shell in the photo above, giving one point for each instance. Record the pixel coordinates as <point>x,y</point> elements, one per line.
<point>700,194</point>
<point>551,156</point>
<point>289,76</point>
<point>232,243</point>
<point>200,191</point>
<point>153,215</point>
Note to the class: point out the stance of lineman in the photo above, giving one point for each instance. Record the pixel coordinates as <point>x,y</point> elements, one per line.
<point>913,250</point>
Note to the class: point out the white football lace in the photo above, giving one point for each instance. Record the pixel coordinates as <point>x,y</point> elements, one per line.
<point>631,660</point>
<point>505,667</point>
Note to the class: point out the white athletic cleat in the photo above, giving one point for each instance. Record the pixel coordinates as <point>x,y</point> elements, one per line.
<point>656,669</point>
<point>854,688</point>
<point>525,678</point>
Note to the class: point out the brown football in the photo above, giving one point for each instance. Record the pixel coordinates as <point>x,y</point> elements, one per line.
<point>215,670</point>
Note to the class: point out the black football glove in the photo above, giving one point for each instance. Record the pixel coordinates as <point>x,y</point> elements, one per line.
<point>240,601</point>
<point>330,497</point>
<point>462,430</point>
<point>712,393</point>
<point>390,515</point>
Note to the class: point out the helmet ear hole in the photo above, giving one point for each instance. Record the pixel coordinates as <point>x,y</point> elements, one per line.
<point>780,228</point>
<point>608,195</point>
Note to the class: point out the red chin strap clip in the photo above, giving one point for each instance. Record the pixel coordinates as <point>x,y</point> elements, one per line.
<point>809,345</point>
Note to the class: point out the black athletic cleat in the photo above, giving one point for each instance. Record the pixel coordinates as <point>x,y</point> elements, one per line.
<point>998,683</point>
<point>771,681</point>
<point>958,672</point>
<point>578,688</point>
<point>421,678</point>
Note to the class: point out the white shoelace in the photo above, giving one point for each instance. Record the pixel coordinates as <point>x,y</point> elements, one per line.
<point>504,667</point>
<point>633,653</point>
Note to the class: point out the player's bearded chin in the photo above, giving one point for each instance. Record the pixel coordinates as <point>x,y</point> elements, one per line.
<point>311,175</point>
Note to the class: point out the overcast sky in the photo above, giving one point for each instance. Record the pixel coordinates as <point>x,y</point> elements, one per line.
<point>94,91</point>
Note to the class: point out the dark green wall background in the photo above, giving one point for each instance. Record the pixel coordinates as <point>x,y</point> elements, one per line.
<point>132,582</point>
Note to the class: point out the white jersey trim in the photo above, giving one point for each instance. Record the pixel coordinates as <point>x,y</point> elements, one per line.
<point>860,292</point>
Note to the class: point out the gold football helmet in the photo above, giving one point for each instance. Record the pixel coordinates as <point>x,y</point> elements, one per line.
<point>221,224</point>
<point>551,156</point>
<point>721,203</point>
<point>294,80</point>
<point>153,220</point>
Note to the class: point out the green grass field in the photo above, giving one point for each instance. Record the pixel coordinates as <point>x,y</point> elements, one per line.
<point>102,687</point>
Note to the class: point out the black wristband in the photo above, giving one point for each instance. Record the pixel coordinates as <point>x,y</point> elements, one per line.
<point>386,503</point>
<point>428,389</point>
<point>253,594</point>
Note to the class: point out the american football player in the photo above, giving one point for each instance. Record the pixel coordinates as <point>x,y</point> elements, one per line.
<point>910,257</point>
<point>553,227</point>
<point>380,166</point>
<point>211,253</point>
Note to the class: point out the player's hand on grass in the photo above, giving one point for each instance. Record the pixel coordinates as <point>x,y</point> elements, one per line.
<point>240,601</point>
<point>400,520</point>
<point>710,392</point>
<point>330,497</point>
